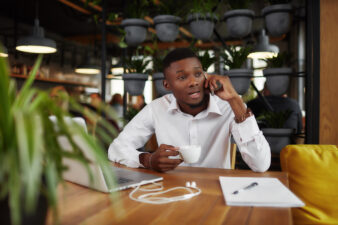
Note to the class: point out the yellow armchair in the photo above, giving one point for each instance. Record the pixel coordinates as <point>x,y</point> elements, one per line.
<point>313,177</point>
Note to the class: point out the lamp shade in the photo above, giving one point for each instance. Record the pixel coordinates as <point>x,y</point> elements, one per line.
<point>36,43</point>
<point>3,51</point>
<point>87,69</point>
<point>263,49</point>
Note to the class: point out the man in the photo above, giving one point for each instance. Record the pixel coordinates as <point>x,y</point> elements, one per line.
<point>191,115</point>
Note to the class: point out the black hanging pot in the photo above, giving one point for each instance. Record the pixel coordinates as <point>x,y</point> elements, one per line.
<point>158,80</point>
<point>277,138</point>
<point>238,22</point>
<point>240,79</point>
<point>277,19</point>
<point>136,30</point>
<point>277,80</point>
<point>134,82</point>
<point>202,26</point>
<point>166,27</point>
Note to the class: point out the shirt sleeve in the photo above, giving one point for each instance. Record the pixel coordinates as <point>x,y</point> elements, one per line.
<point>252,144</point>
<point>135,134</point>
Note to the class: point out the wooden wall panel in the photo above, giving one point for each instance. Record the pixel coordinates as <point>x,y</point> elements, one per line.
<point>328,123</point>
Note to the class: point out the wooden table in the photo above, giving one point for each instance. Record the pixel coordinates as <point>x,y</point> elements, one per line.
<point>82,205</point>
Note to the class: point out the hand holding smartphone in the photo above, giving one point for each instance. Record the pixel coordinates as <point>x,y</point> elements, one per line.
<point>218,83</point>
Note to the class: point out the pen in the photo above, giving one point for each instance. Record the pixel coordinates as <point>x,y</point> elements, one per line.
<point>253,184</point>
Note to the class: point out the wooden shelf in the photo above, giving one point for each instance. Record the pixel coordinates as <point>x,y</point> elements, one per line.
<point>55,81</point>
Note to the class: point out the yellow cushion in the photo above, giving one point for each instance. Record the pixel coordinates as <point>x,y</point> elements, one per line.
<point>313,177</point>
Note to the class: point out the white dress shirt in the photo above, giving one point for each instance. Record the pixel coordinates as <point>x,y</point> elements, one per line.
<point>211,128</point>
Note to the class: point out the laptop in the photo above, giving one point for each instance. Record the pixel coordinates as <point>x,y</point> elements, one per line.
<point>78,174</point>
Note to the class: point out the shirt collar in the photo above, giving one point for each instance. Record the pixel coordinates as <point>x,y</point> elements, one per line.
<point>173,103</point>
<point>212,106</point>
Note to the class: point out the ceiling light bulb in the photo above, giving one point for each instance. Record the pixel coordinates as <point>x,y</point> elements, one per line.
<point>83,70</point>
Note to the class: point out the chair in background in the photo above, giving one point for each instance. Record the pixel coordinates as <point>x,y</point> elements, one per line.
<point>313,177</point>
<point>233,149</point>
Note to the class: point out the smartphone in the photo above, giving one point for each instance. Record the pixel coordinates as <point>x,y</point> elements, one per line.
<point>219,85</point>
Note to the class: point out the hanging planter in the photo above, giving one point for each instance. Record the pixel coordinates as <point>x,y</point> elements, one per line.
<point>234,59</point>
<point>277,80</point>
<point>278,73</point>
<point>166,27</point>
<point>134,82</point>
<point>277,138</point>
<point>202,26</point>
<point>135,30</point>
<point>240,79</point>
<point>238,22</point>
<point>158,80</point>
<point>275,130</point>
<point>277,19</point>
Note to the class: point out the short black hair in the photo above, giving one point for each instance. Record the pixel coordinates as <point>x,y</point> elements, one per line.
<point>176,55</point>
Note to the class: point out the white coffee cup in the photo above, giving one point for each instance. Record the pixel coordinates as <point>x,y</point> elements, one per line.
<point>190,153</point>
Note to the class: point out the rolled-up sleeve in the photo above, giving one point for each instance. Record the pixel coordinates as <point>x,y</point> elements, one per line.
<point>134,135</point>
<point>252,144</point>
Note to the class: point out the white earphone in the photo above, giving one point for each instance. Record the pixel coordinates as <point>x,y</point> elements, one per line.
<point>153,198</point>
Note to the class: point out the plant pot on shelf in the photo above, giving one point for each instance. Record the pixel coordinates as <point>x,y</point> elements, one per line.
<point>136,30</point>
<point>134,82</point>
<point>202,26</point>
<point>166,27</point>
<point>277,138</point>
<point>240,79</point>
<point>277,19</point>
<point>158,80</point>
<point>239,22</point>
<point>37,217</point>
<point>277,80</point>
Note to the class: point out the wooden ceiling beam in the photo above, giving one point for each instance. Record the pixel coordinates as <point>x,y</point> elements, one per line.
<point>90,39</point>
<point>98,8</point>
<point>76,7</point>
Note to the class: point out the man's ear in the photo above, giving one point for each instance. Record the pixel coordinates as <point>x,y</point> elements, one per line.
<point>166,84</point>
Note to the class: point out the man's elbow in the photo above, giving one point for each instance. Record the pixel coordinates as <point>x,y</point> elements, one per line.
<point>262,165</point>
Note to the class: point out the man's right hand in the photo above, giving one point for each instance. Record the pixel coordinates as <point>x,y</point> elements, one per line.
<point>159,160</point>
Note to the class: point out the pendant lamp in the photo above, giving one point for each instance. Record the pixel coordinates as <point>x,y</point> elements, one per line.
<point>263,49</point>
<point>117,69</point>
<point>3,52</point>
<point>36,43</point>
<point>87,67</point>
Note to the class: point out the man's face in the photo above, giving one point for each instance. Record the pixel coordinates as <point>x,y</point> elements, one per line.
<point>185,79</point>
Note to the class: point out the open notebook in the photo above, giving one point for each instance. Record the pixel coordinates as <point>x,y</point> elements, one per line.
<point>267,192</point>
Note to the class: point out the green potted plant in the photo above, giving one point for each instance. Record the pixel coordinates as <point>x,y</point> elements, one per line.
<point>135,27</point>
<point>31,158</point>
<point>278,73</point>
<point>234,59</point>
<point>166,20</point>
<point>136,74</point>
<point>277,17</point>
<point>206,60</point>
<point>201,18</point>
<point>239,18</point>
<point>276,134</point>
